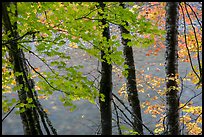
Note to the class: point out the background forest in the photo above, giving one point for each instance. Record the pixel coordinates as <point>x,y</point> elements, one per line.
<point>104,68</point>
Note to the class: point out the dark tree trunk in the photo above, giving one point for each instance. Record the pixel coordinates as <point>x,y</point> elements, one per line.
<point>172,68</point>
<point>131,82</point>
<point>105,85</point>
<point>30,117</point>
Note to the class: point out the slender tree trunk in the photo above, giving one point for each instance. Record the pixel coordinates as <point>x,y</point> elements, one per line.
<point>131,82</point>
<point>30,117</point>
<point>105,84</point>
<point>172,68</point>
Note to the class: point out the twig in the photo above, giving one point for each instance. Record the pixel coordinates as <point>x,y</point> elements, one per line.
<point>198,56</point>
<point>194,14</point>
<point>84,16</point>
<point>28,33</point>
<point>125,115</point>
<point>132,113</point>
<point>186,43</point>
<point>9,112</point>
<point>181,108</point>
<point>118,121</point>
<point>190,100</point>
<point>38,58</point>
<point>181,79</point>
<point>194,123</point>
<point>45,78</point>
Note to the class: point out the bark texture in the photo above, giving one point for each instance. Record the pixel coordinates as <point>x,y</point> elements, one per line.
<point>131,82</point>
<point>105,84</point>
<point>172,68</point>
<point>30,117</point>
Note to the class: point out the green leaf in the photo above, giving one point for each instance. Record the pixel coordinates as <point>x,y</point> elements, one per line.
<point>72,108</point>
<point>17,112</point>
<point>41,92</point>
<point>18,74</point>
<point>13,100</point>
<point>50,92</point>
<point>125,66</point>
<point>67,103</point>
<point>30,100</point>
<point>22,105</point>
<point>102,97</point>
<point>125,73</point>
<point>17,87</point>
<point>30,106</point>
<point>22,110</point>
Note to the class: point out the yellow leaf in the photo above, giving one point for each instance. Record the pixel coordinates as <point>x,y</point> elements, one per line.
<point>35,11</point>
<point>158,130</point>
<point>94,27</point>
<point>185,119</point>
<point>154,116</point>
<point>49,12</point>
<point>147,103</point>
<point>54,107</point>
<point>52,25</point>
<point>34,76</point>
<point>46,110</point>
<point>73,45</point>
<point>13,82</point>
<point>155,98</point>
<point>122,90</point>
<point>4,69</point>
<point>37,88</point>
<point>199,120</point>
<point>43,35</point>
<point>61,4</point>
<point>193,128</point>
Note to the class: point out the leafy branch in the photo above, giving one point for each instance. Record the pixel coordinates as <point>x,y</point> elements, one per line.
<point>45,79</point>
<point>19,38</point>
<point>38,58</point>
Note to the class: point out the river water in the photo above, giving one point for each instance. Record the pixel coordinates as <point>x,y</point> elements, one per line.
<point>85,120</point>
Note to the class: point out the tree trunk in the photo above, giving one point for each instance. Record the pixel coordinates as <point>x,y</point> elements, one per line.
<point>30,117</point>
<point>105,85</point>
<point>172,68</point>
<point>131,82</point>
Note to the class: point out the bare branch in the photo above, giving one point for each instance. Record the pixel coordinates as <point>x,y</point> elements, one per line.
<point>132,113</point>
<point>198,57</point>
<point>9,112</point>
<point>118,121</point>
<point>186,43</point>
<point>194,14</point>
<point>124,115</point>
